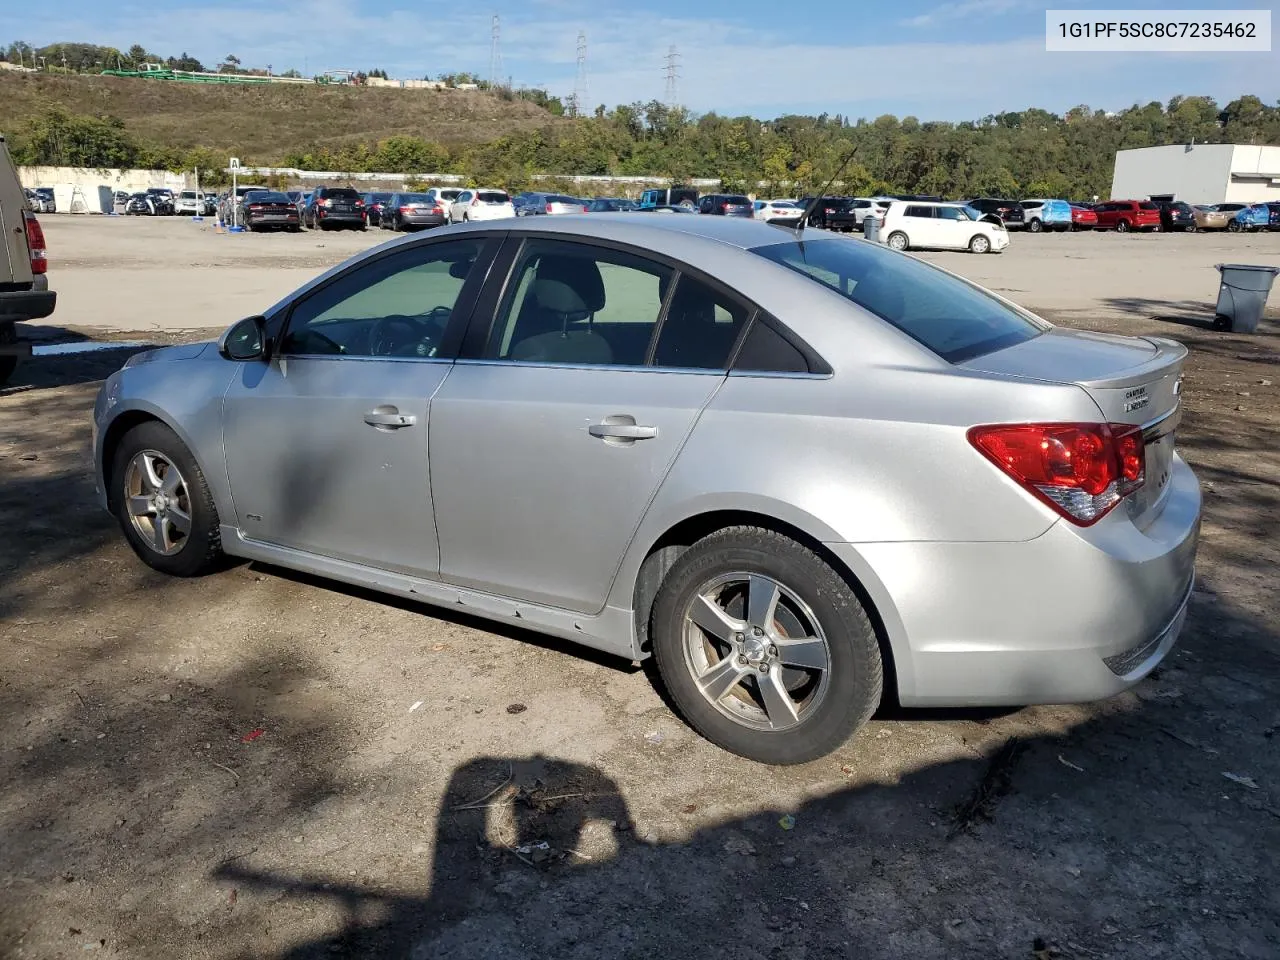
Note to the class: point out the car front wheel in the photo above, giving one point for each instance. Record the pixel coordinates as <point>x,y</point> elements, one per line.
<point>1035,226</point>
<point>763,647</point>
<point>897,240</point>
<point>979,244</point>
<point>162,502</point>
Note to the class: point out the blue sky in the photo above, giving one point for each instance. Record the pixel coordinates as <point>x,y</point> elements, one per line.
<point>936,59</point>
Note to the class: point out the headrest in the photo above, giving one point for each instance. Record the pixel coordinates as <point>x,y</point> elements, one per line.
<point>569,285</point>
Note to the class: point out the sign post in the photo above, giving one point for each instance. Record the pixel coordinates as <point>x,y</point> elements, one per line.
<point>234,198</point>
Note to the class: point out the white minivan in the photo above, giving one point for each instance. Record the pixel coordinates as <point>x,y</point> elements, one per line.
<point>919,225</point>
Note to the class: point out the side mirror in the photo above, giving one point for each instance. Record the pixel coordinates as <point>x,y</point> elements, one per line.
<point>245,340</point>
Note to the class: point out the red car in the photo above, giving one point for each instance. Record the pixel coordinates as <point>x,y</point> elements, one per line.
<point>1083,218</point>
<point>1126,215</point>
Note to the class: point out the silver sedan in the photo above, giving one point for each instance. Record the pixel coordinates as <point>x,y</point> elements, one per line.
<point>804,474</point>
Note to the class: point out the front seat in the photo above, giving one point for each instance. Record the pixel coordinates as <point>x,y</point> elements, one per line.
<point>567,293</point>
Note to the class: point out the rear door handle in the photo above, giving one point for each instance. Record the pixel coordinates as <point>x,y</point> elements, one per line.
<point>622,428</point>
<point>378,418</point>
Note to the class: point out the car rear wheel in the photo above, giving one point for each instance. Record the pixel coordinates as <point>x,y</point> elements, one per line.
<point>897,240</point>
<point>763,647</point>
<point>1122,226</point>
<point>1233,226</point>
<point>1035,226</point>
<point>979,244</point>
<point>163,503</point>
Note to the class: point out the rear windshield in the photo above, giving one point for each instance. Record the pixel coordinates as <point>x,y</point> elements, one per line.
<point>556,198</point>
<point>449,194</point>
<point>1147,205</point>
<point>266,196</point>
<point>737,201</point>
<point>414,198</point>
<point>343,193</point>
<point>384,197</point>
<point>1180,206</point>
<point>954,319</point>
<point>493,196</point>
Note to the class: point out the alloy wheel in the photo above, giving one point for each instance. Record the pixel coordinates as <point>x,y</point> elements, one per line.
<point>756,651</point>
<point>158,502</point>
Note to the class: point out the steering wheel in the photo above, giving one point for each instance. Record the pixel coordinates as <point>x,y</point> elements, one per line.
<point>401,335</point>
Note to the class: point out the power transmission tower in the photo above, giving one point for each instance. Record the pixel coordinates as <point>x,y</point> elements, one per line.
<point>580,81</point>
<point>495,55</point>
<point>671,95</point>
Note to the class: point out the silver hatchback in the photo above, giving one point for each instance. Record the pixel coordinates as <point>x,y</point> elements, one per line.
<point>802,474</point>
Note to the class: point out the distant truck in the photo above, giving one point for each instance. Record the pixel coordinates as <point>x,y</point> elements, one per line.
<point>24,288</point>
<point>669,197</point>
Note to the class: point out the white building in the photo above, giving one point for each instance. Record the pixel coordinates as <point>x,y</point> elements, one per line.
<point>1198,173</point>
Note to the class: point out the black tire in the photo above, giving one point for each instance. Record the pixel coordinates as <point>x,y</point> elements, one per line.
<point>8,361</point>
<point>855,676</point>
<point>1233,226</point>
<point>1122,226</point>
<point>201,548</point>
<point>295,229</point>
<point>1034,225</point>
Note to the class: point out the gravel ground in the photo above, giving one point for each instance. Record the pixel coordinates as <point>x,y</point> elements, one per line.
<point>257,764</point>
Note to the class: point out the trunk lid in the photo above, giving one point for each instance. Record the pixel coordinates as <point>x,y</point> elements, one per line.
<point>1133,380</point>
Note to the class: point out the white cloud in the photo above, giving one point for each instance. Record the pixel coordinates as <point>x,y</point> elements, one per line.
<point>961,10</point>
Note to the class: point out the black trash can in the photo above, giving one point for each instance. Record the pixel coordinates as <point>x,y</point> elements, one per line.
<point>1242,296</point>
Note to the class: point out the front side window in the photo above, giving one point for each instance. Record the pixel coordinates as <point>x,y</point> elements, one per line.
<point>954,319</point>
<point>951,213</point>
<point>570,303</point>
<point>396,306</point>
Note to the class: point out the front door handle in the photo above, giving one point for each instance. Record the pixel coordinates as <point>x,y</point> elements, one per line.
<point>393,421</point>
<point>621,429</point>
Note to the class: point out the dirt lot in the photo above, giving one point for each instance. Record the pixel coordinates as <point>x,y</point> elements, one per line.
<point>260,765</point>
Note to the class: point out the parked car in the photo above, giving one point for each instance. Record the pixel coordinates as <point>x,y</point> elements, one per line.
<point>669,197</point>
<point>823,209</point>
<point>189,202</point>
<point>1047,215</point>
<point>850,216</point>
<point>1176,215</point>
<point>403,211</point>
<point>140,205</point>
<point>48,203</point>
<point>24,280</point>
<point>229,202</point>
<point>269,210</point>
<point>784,213</point>
<point>942,226</point>
<point>1216,216</point>
<point>1256,216</point>
<point>1010,212</point>
<point>611,205</point>
<point>1083,217</point>
<point>632,368</point>
<point>334,207</point>
<point>163,200</point>
<point>726,205</point>
<point>481,204</point>
<point>444,196</point>
<point>373,206</point>
<point>547,204</point>
<point>668,208</point>
<point>1125,215</point>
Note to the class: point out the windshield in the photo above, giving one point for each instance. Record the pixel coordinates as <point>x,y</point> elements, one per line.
<point>954,319</point>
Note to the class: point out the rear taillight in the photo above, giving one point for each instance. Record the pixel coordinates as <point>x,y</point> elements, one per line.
<point>322,203</point>
<point>35,243</point>
<point>550,209</point>
<point>359,203</point>
<point>437,210</point>
<point>407,209</point>
<point>1082,470</point>
<point>586,209</point>
<point>475,201</point>
<point>255,206</point>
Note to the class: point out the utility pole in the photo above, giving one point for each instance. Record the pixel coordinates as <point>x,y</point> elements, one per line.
<point>495,56</point>
<point>580,80</point>
<point>671,95</point>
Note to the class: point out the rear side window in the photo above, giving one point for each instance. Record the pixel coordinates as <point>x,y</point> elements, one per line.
<point>700,328</point>
<point>955,320</point>
<point>919,212</point>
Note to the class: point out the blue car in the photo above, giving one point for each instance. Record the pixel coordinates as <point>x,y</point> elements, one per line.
<point>1047,215</point>
<point>1257,216</point>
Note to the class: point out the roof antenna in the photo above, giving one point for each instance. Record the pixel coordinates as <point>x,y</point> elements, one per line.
<point>813,204</point>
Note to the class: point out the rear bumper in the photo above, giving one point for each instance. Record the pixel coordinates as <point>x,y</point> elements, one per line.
<point>1073,615</point>
<point>339,216</point>
<point>423,219</point>
<point>33,304</point>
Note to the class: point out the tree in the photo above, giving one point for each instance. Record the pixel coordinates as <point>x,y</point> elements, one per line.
<point>230,64</point>
<point>56,138</point>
